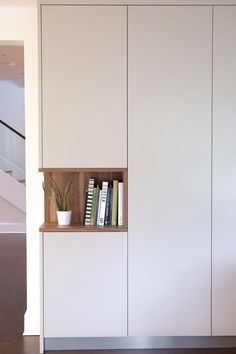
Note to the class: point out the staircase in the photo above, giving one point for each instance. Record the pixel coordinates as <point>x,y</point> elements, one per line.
<point>12,180</point>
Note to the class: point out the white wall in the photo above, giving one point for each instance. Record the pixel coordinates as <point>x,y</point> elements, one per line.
<point>11,218</point>
<point>12,191</point>
<point>12,111</point>
<point>9,213</point>
<point>20,23</point>
<point>12,114</point>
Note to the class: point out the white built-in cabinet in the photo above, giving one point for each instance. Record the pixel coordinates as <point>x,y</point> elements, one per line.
<point>169,170</point>
<point>224,173</point>
<point>85,284</point>
<point>151,88</point>
<point>84,86</point>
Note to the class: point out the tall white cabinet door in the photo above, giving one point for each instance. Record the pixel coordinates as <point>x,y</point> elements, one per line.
<point>224,173</point>
<point>85,284</point>
<point>84,57</point>
<point>169,170</point>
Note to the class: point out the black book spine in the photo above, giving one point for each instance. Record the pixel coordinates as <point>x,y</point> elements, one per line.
<point>108,209</point>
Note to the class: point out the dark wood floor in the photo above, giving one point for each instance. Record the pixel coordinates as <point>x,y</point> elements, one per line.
<point>13,306</point>
<point>12,284</point>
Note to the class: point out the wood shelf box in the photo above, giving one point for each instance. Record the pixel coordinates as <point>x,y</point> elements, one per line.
<point>76,197</point>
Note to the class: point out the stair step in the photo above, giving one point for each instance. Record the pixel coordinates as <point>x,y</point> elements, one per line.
<point>10,173</point>
<point>12,191</point>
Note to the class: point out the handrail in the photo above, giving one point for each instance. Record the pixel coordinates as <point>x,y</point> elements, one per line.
<point>12,129</point>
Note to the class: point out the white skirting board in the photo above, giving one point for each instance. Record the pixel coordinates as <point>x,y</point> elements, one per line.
<point>11,228</point>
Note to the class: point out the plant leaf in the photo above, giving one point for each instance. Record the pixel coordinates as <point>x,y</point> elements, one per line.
<point>60,198</point>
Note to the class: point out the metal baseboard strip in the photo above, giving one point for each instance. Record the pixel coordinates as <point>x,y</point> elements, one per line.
<point>139,342</point>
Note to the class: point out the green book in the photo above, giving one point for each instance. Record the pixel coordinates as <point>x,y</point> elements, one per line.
<point>114,205</point>
<point>94,205</point>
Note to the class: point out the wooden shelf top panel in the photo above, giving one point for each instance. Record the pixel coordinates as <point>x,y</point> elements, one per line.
<point>54,227</point>
<point>92,169</point>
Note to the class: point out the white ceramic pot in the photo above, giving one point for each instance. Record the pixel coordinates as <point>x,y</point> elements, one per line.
<point>64,217</point>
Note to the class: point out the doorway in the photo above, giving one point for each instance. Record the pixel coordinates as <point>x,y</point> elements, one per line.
<point>12,190</point>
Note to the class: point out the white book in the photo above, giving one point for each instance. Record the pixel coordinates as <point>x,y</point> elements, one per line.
<point>101,218</point>
<point>99,205</point>
<point>120,203</point>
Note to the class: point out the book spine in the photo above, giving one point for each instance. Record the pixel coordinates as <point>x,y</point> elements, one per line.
<point>89,202</point>
<point>103,204</point>
<point>85,203</point>
<point>107,211</point>
<point>120,203</point>
<point>99,205</point>
<point>93,211</point>
<point>114,203</point>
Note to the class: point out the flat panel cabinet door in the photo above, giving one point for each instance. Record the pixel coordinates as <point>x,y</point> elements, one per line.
<point>85,284</point>
<point>84,119</point>
<point>169,170</point>
<point>224,173</point>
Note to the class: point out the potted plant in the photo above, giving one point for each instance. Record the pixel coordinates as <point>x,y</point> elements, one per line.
<point>61,201</point>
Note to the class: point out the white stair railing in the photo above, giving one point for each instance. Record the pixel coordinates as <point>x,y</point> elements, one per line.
<point>12,152</point>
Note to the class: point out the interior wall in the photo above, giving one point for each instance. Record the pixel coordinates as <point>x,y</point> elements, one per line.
<point>12,114</point>
<point>20,24</point>
<point>9,213</point>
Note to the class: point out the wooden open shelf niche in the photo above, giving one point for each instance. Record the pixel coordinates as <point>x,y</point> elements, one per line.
<point>77,196</point>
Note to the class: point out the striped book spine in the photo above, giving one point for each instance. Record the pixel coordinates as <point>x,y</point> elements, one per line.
<point>89,202</point>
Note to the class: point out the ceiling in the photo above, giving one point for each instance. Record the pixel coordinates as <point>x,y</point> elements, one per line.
<point>18,2</point>
<point>12,64</point>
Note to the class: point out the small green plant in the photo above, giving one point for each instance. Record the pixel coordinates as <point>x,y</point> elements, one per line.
<point>60,196</point>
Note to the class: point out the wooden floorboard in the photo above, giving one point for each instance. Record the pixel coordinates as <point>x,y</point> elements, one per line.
<point>19,345</point>
<point>12,283</point>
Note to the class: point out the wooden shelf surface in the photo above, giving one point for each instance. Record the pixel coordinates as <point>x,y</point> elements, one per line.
<point>54,227</point>
<point>84,169</point>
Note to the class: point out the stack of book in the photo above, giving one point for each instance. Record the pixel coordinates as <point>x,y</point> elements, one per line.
<point>104,203</point>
